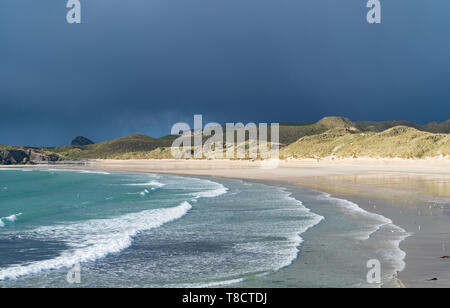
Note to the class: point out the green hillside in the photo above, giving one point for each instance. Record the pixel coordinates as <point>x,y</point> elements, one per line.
<point>135,143</point>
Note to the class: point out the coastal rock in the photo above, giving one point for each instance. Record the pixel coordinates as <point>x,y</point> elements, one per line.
<point>13,157</point>
<point>52,157</point>
<point>26,156</point>
<point>80,141</point>
<point>37,156</point>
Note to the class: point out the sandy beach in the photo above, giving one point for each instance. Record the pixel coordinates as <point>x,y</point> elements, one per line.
<point>282,170</point>
<point>414,194</point>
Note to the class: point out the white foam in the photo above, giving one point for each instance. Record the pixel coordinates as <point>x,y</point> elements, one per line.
<point>77,171</point>
<point>145,192</point>
<point>208,284</point>
<point>207,188</point>
<point>391,251</point>
<point>211,193</point>
<point>354,209</point>
<point>10,218</point>
<point>296,239</point>
<point>151,183</point>
<point>95,239</point>
<point>284,257</point>
<point>93,172</point>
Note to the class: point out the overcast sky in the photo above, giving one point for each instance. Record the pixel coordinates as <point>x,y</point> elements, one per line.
<point>142,65</point>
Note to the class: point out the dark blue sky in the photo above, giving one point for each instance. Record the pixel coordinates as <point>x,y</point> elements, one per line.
<point>142,65</point>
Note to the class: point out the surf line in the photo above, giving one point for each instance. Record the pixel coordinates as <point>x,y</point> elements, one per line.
<point>74,14</point>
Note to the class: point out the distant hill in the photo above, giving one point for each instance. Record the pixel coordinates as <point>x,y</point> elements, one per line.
<point>370,126</point>
<point>435,127</point>
<point>80,140</point>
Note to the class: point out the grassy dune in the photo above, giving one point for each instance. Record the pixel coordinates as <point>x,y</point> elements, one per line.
<point>396,142</point>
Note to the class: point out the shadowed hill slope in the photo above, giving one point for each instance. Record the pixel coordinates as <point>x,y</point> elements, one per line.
<point>435,127</point>
<point>291,132</point>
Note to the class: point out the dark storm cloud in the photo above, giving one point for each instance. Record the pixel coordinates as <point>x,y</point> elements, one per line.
<point>141,65</point>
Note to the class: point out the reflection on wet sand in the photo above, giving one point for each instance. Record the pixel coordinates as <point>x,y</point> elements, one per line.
<point>418,203</point>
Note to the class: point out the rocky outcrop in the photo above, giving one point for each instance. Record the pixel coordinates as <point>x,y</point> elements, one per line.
<point>36,157</point>
<point>26,156</point>
<point>80,141</point>
<point>14,157</point>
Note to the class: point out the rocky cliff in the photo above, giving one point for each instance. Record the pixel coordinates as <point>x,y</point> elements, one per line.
<point>14,157</point>
<point>25,156</point>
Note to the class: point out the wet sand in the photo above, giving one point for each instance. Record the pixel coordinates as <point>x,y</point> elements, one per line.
<point>420,204</point>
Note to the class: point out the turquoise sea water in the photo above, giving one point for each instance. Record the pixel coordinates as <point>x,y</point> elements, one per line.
<point>148,230</point>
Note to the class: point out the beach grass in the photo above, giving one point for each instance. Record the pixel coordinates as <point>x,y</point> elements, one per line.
<point>397,142</point>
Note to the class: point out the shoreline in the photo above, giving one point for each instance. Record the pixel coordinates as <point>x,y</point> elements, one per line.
<point>297,191</point>
<point>401,191</point>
